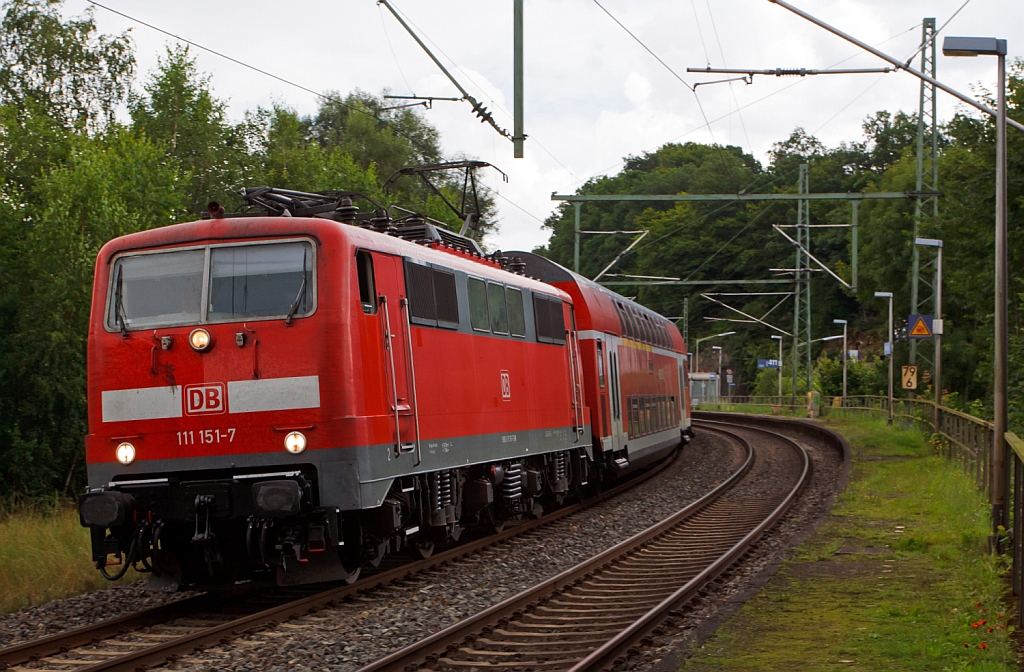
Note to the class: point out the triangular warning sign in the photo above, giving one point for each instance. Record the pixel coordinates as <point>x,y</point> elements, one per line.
<point>920,328</point>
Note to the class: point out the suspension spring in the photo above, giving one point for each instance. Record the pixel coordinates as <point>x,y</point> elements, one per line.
<point>440,489</point>
<point>560,465</point>
<point>512,484</point>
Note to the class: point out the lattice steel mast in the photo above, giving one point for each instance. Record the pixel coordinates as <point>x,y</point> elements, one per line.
<point>922,283</point>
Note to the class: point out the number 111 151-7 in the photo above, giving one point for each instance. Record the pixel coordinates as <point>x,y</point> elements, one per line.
<point>188,438</point>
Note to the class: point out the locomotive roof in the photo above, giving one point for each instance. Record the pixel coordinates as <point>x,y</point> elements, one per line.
<point>249,228</point>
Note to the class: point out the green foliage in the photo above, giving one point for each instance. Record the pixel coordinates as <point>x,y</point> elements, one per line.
<point>729,241</point>
<point>61,67</point>
<point>72,179</point>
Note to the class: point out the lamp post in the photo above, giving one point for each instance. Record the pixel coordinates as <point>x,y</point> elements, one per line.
<point>888,295</point>
<point>697,343</point>
<point>719,348</point>
<point>936,329</point>
<point>846,355</point>
<point>990,46</point>
<point>779,339</point>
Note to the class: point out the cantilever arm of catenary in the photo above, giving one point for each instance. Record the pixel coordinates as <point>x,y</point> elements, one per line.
<point>737,310</point>
<point>620,255</point>
<point>480,110</point>
<point>899,64</point>
<point>811,256</point>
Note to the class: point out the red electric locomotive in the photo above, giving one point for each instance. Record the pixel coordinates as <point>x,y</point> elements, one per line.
<point>296,391</point>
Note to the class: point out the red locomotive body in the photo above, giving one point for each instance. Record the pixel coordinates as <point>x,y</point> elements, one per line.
<point>292,397</point>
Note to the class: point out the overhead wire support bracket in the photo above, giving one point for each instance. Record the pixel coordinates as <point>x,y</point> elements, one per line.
<point>748,74</point>
<point>620,255</point>
<point>478,108</point>
<point>425,101</point>
<point>811,256</point>
<point>749,316</point>
<point>900,65</point>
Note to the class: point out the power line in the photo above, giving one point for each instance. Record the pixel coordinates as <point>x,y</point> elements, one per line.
<point>334,99</point>
<point>380,13</point>
<point>481,89</point>
<point>692,89</point>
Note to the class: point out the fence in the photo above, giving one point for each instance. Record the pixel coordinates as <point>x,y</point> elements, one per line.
<point>959,436</point>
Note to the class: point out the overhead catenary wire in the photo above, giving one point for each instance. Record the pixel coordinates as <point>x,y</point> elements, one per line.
<point>481,89</point>
<point>693,89</point>
<point>765,97</point>
<point>384,26</point>
<point>323,96</point>
<point>732,91</point>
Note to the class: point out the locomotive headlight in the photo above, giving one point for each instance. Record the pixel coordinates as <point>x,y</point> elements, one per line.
<point>125,453</point>
<point>295,442</point>
<point>200,340</point>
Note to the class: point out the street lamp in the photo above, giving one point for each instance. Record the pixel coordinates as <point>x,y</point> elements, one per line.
<point>719,348</point>
<point>697,343</point>
<point>846,355</point>
<point>936,328</point>
<point>779,339</point>
<point>888,295</point>
<point>990,46</point>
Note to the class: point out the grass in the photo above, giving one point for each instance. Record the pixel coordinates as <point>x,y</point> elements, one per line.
<point>44,555</point>
<point>913,587</point>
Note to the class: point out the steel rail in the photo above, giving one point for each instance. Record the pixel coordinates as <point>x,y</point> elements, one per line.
<point>425,651</point>
<point>606,656</point>
<point>189,643</point>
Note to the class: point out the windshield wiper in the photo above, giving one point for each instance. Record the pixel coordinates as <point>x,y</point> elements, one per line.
<point>301,296</point>
<point>118,303</point>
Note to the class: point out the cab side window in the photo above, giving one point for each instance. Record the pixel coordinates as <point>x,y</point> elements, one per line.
<point>367,290</point>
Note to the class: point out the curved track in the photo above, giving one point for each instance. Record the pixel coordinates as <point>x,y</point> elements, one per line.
<point>591,616</point>
<point>154,636</point>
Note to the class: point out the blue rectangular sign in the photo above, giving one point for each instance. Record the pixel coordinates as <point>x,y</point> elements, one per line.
<point>767,363</point>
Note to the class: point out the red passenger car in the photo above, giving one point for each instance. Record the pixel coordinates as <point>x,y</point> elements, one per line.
<point>294,392</point>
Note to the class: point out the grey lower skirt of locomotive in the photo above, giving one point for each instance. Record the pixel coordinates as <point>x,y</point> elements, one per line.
<point>210,529</point>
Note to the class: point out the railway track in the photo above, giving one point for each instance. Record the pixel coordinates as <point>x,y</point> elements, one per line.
<point>157,635</point>
<point>592,616</point>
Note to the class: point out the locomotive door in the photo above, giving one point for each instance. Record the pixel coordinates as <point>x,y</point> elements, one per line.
<point>398,363</point>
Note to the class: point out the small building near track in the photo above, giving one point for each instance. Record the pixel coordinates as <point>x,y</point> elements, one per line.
<point>703,388</point>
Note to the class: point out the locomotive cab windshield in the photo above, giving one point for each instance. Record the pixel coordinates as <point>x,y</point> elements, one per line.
<point>211,284</point>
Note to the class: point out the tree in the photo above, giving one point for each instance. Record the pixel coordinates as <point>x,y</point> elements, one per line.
<point>181,112</point>
<point>61,68</point>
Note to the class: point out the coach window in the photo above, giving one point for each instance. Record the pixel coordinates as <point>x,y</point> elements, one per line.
<point>516,316</point>
<point>478,305</point>
<point>367,293</point>
<point>600,364</point>
<point>496,307</point>
<point>622,321</point>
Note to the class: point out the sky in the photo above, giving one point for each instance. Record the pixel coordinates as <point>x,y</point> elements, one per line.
<point>593,94</point>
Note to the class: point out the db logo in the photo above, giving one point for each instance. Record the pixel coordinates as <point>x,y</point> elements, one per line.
<point>506,386</point>
<point>202,399</point>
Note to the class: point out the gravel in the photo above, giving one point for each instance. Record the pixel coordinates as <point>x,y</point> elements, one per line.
<point>75,612</point>
<point>365,628</point>
<point>369,626</point>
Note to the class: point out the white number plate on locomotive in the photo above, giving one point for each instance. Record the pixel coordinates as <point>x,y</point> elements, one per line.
<point>192,437</point>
